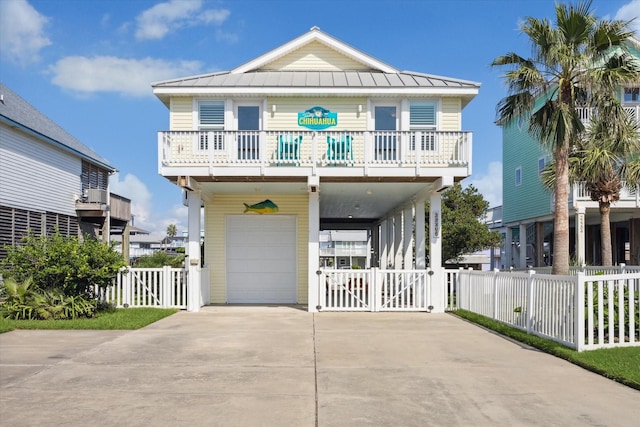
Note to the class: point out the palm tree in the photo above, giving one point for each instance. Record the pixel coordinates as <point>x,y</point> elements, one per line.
<point>610,154</point>
<point>571,58</point>
<point>172,231</point>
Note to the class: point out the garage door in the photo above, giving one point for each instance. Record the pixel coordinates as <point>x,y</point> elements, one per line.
<point>261,259</point>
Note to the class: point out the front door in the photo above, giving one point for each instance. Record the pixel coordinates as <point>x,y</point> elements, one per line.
<point>385,118</point>
<point>248,132</point>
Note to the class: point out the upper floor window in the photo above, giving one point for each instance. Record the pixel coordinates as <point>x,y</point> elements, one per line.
<point>211,118</point>
<point>422,118</point>
<point>518,176</point>
<point>631,95</point>
<point>542,162</point>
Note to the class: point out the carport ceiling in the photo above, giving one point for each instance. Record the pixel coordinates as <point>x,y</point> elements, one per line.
<point>364,200</point>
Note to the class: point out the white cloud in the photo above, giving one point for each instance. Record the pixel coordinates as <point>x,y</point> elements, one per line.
<point>628,12</point>
<point>145,215</point>
<point>129,77</point>
<point>21,31</point>
<point>158,21</point>
<point>490,185</point>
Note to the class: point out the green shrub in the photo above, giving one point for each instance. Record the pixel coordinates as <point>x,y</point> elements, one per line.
<point>159,259</point>
<point>22,301</point>
<point>62,264</point>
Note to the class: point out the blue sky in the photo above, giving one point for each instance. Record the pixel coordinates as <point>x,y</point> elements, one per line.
<point>88,65</point>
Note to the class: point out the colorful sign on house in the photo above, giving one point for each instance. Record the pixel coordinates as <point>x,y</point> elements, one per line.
<point>317,118</point>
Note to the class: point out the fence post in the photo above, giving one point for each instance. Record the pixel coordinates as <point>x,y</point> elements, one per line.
<point>623,268</point>
<point>495,293</point>
<point>530,301</point>
<point>165,294</point>
<point>376,288</point>
<point>125,283</point>
<point>578,338</point>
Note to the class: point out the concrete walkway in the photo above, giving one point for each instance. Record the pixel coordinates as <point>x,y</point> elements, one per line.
<point>281,366</point>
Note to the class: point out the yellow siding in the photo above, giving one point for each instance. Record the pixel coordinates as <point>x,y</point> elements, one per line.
<point>451,114</point>
<point>181,113</point>
<point>317,57</point>
<point>215,236</point>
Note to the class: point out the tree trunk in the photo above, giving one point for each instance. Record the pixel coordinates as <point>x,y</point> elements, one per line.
<point>561,218</point>
<point>605,234</point>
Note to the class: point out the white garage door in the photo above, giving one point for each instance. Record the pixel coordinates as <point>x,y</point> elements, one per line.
<point>261,259</point>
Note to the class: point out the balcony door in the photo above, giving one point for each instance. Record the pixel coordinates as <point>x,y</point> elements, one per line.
<point>248,132</point>
<point>386,123</point>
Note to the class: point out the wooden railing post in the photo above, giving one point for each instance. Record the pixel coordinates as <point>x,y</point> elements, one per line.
<point>578,333</point>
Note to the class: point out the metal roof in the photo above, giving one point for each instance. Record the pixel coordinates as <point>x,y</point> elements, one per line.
<point>317,79</point>
<point>15,110</point>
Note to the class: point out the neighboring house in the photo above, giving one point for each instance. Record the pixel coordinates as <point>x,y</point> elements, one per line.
<point>529,207</point>
<point>313,135</point>
<point>51,181</point>
<point>490,258</point>
<point>345,249</point>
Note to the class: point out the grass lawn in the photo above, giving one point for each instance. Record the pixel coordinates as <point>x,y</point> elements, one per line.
<point>121,318</point>
<point>619,364</point>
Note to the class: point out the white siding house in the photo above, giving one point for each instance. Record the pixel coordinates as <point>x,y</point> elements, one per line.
<point>313,135</point>
<point>49,180</point>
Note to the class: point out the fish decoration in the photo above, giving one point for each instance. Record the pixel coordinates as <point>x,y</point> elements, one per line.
<point>266,206</point>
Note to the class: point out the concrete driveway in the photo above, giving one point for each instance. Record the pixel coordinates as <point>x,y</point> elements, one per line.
<point>281,366</point>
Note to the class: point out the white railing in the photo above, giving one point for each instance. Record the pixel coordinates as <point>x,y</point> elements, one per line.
<point>586,113</point>
<point>589,269</point>
<point>147,287</point>
<point>584,312</point>
<point>374,290</point>
<point>629,193</point>
<point>306,148</point>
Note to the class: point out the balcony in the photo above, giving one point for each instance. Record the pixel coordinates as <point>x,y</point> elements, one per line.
<point>95,203</point>
<point>629,196</point>
<point>585,114</point>
<point>304,153</point>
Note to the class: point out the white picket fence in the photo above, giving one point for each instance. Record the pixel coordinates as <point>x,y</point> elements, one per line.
<point>582,311</point>
<point>164,287</point>
<point>374,290</point>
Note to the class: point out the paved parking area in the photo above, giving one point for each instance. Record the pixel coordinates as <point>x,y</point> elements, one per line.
<point>282,366</point>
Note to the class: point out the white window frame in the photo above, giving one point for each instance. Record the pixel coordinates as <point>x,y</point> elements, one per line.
<point>202,143</point>
<point>518,176</point>
<point>430,145</point>
<point>542,159</point>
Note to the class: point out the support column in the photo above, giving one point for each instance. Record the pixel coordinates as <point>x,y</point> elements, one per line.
<point>125,242</point>
<point>384,248</point>
<point>421,233</point>
<point>408,238</point>
<point>435,253</point>
<point>523,246</point>
<point>539,261</point>
<point>581,247</point>
<point>508,246</point>
<point>397,241</point>
<point>193,251</point>
<point>313,247</point>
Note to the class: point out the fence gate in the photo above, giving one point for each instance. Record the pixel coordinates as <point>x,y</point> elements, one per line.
<point>374,290</point>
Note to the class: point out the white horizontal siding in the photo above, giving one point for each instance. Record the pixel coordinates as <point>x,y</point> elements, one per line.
<point>451,114</point>
<point>37,176</point>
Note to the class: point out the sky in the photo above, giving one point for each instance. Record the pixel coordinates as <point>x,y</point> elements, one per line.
<point>88,65</point>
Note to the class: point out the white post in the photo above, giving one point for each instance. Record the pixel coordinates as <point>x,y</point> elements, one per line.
<point>397,241</point>
<point>523,246</point>
<point>435,253</point>
<point>508,246</point>
<point>383,262</point>
<point>313,247</point>
<point>193,251</point>
<point>408,237</point>
<point>581,249</point>
<point>421,262</point>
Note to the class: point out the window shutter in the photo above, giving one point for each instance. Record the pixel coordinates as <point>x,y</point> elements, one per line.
<point>212,114</point>
<point>422,115</point>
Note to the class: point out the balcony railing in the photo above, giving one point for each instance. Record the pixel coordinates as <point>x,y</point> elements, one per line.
<point>628,193</point>
<point>587,113</point>
<point>316,149</point>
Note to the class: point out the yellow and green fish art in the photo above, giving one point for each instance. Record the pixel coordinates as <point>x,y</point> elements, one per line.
<point>266,206</point>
